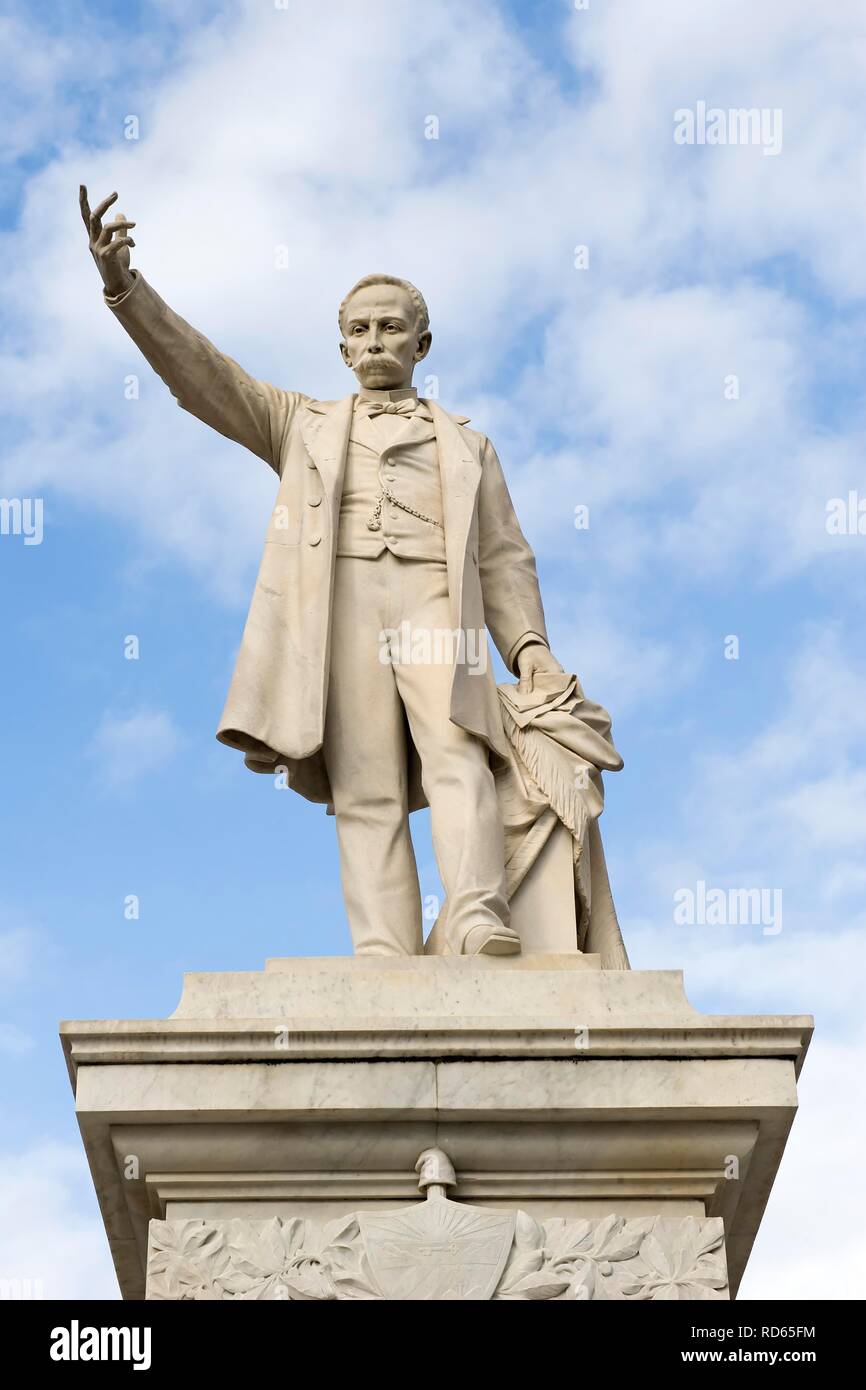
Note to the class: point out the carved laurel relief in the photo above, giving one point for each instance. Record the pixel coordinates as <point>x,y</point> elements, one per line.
<point>439,1250</point>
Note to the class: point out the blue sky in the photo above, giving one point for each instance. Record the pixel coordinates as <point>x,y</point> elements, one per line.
<point>261,128</point>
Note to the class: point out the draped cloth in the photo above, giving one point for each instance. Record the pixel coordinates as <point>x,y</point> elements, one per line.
<point>560,744</point>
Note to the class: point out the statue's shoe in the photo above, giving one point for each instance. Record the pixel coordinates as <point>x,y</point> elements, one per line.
<point>491,941</point>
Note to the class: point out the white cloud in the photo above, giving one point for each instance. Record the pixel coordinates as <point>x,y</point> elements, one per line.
<point>36,78</point>
<point>781,807</point>
<point>619,665</point>
<point>126,748</point>
<point>810,1245</point>
<point>51,1235</point>
<point>308,154</point>
<point>736,970</point>
<point>743,206</point>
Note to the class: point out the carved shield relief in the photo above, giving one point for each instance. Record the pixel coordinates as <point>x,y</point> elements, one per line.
<point>437,1250</point>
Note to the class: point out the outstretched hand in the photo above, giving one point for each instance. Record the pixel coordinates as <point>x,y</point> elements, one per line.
<point>109,244</point>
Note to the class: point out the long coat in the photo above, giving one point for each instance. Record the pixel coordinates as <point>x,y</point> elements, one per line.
<point>275,711</point>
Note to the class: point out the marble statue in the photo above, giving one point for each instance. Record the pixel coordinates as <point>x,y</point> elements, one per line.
<point>529,1120</point>
<point>392,549</point>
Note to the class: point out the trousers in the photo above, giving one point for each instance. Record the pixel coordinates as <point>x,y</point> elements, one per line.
<point>381,692</point>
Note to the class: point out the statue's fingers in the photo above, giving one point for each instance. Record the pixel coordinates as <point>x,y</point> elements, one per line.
<point>84,205</point>
<point>102,208</point>
<point>120,224</point>
<point>112,246</point>
<point>98,213</point>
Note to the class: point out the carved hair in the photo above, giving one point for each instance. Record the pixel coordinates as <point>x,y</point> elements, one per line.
<point>422,317</point>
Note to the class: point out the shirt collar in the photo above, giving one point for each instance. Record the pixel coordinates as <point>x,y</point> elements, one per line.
<point>404,393</point>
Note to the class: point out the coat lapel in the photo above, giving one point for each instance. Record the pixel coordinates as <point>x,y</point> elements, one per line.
<point>325,432</point>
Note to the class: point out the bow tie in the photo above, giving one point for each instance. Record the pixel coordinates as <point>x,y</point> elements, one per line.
<point>405,407</point>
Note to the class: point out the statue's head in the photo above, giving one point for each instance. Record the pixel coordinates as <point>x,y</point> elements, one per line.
<point>385,330</point>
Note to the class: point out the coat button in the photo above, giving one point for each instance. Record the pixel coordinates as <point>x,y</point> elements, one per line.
<point>314,540</point>
<point>314,501</point>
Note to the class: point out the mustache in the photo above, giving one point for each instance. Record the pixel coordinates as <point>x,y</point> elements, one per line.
<point>383,359</point>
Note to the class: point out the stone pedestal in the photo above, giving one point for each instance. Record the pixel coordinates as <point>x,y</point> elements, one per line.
<point>606,1140</point>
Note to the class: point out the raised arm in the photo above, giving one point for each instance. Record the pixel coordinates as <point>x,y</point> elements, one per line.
<point>202,379</point>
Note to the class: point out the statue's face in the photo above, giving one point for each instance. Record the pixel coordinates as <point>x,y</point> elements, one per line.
<point>381,342</point>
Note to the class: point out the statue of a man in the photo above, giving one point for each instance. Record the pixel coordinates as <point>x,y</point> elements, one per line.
<point>393,544</point>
